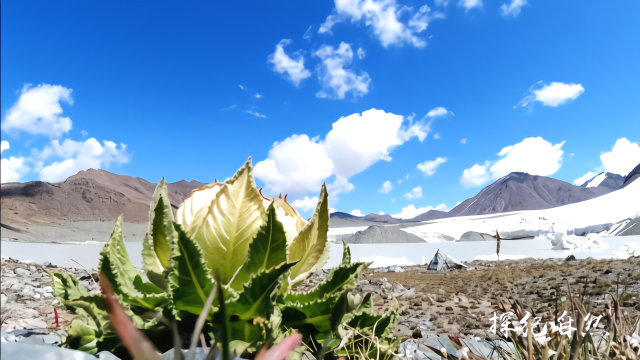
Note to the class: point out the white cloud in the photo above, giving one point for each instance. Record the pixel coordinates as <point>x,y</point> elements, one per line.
<point>383,16</point>
<point>439,111</point>
<point>415,193</point>
<point>470,4</point>
<point>463,141</point>
<point>305,204</point>
<point>624,156</point>
<point>411,211</point>
<point>436,136</point>
<point>513,9</point>
<point>258,96</point>
<point>282,63</point>
<point>326,26</point>
<point>441,2</point>
<point>334,78</point>
<point>356,213</point>
<point>381,213</point>
<point>300,164</point>
<point>296,165</point>
<point>361,54</point>
<point>535,156</point>
<point>38,111</point>
<point>420,20</point>
<point>476,175</point>
<point>84,133</point>
<point>386,187</point>
<point>581,180</point>
<point>429,167</point>
<point>307,34</point>
<point>256,114</point>
<point>241,87</point>
<point>12,168</point>
<point>79,156</point>
<point>553,95</point>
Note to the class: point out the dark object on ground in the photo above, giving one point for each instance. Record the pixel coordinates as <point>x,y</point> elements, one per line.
<point>417,333</point>
<point>570,258</point>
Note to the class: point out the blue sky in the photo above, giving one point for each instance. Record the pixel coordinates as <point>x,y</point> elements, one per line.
<point>193,88</point>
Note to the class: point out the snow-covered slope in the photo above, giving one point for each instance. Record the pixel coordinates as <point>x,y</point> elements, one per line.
<point>605,180</point>
<point>611,208</point>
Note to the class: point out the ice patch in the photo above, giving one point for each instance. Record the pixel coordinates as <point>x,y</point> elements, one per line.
<point>494,257</point>
<point>573,242</point>
<point>627,250</point>
<point>383,261</point>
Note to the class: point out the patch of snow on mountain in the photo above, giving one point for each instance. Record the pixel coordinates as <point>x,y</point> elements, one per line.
<point>596,181</point>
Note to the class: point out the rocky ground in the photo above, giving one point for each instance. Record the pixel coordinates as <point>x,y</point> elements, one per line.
<point>461,302</point>
<point>27,297</point>
<point>456,302</point>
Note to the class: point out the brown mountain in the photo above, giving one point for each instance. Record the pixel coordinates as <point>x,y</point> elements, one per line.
<point>92,195</point>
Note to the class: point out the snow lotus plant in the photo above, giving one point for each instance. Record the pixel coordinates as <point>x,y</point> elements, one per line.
<point>256,250</point>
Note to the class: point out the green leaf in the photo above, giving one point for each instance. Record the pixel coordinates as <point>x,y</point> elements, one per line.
<point>346,254</point>
<point>310,247</point>
<point>65,286</point>
<point>82,336</point>
<point>316,314</point>
<point>225,229</point>
<point>383,325</point>
<point>125,279</point>
<point>156,246</point>
<point>259,295</point>
<point>267,250</point>
<point>340,279</point>
<point>189,281</point>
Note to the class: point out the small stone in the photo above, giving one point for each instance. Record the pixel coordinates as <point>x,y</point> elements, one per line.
<point>22,272</point>
<point>448,308</point>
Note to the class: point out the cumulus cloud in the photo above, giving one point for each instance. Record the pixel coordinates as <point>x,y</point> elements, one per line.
<point>436,136</point>
<point>300,164</point>
<point>581,180</point>
<point>622,158</point>
<point>415,193</point>
<point>429,167</point>
<point>411,211</point>
<point>334,78</point>
<point>326,26</point>
<point>361,54</point>
<point>476,175</point>
<point>535,156</point>
<point>383,17</point>
<point>292,68</point>
<point>470,4</point>
<point>38,111</point>
<point>79,156</point>
<point>12,168</point>
<point>356,213</point>
<point>554,94</point>
<point>256,114</point>
<point>463,141</point>
<point>258,96</point>
<point>386,187</point>
<point>512,10</point>
<point>305,204</point>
